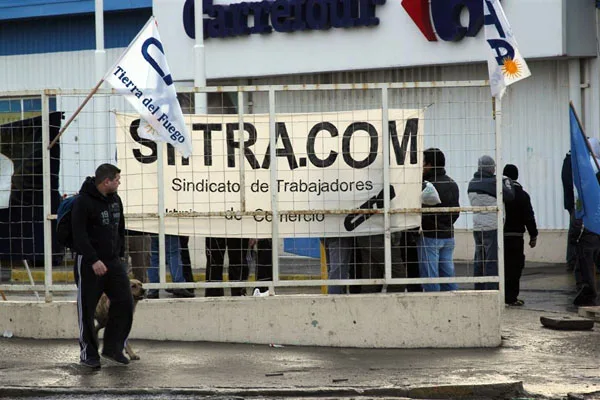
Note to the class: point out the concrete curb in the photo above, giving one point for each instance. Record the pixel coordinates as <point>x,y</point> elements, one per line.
<point>487,391</point>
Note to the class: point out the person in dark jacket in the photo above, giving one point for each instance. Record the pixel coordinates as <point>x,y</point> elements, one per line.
<point>519,216</point>
<point>482,193</point>
<point>99,242</point>
<point>569,205</point>
<point>436,244</point>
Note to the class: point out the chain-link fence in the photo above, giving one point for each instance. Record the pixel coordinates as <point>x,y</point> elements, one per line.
<point>324,188</point>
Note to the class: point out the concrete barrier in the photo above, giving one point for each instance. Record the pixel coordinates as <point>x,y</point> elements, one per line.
<point>416,320</point>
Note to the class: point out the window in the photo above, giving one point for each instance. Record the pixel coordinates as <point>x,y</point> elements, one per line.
<point>22,108</point>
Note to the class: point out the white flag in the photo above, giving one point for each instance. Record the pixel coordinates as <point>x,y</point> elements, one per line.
<point>505,63</point>
<point>143,77</point>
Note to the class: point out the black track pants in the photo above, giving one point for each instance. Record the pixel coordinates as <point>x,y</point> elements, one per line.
<point>90,287</point>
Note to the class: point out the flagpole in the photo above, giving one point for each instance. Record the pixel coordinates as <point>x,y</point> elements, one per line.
<point>497,102</point>
<point>587,143</point>
<point>95,89</point>
<point>77,111</point>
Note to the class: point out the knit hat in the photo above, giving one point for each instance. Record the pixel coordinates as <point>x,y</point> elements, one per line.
<point>486,164</point>
<point>511,171</point>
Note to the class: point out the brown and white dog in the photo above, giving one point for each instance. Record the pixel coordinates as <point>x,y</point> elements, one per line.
<point>101,315</point>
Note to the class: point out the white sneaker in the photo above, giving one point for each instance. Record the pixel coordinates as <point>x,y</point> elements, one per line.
<point>257,293</point>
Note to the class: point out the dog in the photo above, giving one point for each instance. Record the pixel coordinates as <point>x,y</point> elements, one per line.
<point>101,314</point>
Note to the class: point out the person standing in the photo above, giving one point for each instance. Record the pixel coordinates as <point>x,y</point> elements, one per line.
<point>519,216</point>
<point>339,256</point>
<point>436,244</point>
<point>482,193</point>
<point>138,248</point>
<point>186,261</point>
<point>569,205</point>
<point>215,257</point>
<point>264,262</point>
<point>98,227</point>
<point>173,259</point>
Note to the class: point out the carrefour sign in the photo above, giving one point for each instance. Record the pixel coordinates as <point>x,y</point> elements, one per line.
<point>245,18</point>
<point>247,38</point>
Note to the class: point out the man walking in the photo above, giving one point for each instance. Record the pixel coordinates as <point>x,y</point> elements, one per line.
<point>519,216</point>
<point>98,239</point>
<point>482,193</point>
<point>436,244</point>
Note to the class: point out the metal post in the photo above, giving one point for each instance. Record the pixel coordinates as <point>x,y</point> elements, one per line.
<point>200,99</point>
<point>101,117</point>
<point>46,197</point>
<point>100,53</point>
<point>500,200</point>
<point>242,149</point>
<point>162,271</point>
<point>273,188</point>
<point>386,185</point>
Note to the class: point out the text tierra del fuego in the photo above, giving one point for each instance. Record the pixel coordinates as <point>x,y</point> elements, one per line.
<point>148,102</point>
<point>324,161</point>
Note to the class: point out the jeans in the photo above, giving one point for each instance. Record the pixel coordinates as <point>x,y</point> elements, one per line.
<point>339,257</point>
<point>173,258</point>
<point>436,261</point>
<point>486,257</point>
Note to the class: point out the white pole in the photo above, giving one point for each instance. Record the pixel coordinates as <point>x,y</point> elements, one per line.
<point>386,186</point>
<point>500,200</point>
<point>101,106</point>
<point>273,188</point>
<point>200,99</point>
<point>46,195</point>
<point>100,53</point>
<point>241,137</point>
<point>162,270</point>
<point>31,281</point>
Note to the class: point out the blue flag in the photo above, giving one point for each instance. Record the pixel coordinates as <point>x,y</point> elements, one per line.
<point>587,205</point>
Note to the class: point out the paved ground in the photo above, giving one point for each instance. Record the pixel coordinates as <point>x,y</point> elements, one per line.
<point>549,363</point>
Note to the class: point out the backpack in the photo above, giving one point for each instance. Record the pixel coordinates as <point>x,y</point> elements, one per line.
<point>64,231</point>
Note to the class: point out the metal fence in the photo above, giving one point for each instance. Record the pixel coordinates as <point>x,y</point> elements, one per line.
<point>323,147</point>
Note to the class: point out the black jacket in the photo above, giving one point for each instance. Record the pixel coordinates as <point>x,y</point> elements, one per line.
<point>441,225</point>
<point>567,182</point>
<point>98,224</point>
<point>519,214</point>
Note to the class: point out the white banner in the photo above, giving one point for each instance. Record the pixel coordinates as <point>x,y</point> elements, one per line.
<point>325,161</point>
<point>143,77</point>
<point>505,63</point>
